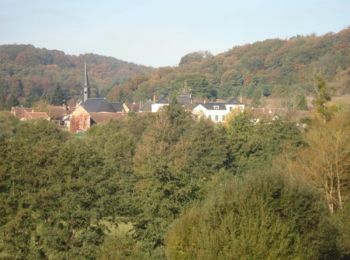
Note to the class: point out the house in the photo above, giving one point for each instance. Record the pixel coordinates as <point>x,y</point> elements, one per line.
<point>184,99</point>
<point>94,111</point>
<point>19,112</point>
<point>217,111</point>
<point>57,114</point>
<point>159,104</point>
<point>131,107</point>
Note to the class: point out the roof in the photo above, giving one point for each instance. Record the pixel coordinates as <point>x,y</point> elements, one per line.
<point>101,105</point>
<point>102,117</point>
<point>132,107</point>
<point>163,100</point>
<point>214,106</point>
<point>146,107</point>
<point>118,107</point>
<point>57,112</point>
<point>184,99</point>
<point>19,111</point>
<point>233,101</point>
<point>35,115</point>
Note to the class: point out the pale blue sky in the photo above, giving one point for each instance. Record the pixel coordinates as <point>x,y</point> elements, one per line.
<point>160,32</point>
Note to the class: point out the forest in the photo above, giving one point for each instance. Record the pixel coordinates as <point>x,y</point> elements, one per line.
<point>166,186</point>
<point>29,74</point>
<point>274,67</point>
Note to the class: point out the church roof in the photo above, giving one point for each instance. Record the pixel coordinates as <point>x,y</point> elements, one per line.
<point>118,107</point>
<point>103,117</point>
<point>101,105</point>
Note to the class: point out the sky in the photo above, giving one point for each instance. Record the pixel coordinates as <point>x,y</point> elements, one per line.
<point>159,32</point>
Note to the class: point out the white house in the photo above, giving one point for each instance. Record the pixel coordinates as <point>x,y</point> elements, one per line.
<point>217,112</point>
<point>158,105</point>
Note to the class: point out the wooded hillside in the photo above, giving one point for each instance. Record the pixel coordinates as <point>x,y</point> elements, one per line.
<point>271,67</point>
<point>28,74</point>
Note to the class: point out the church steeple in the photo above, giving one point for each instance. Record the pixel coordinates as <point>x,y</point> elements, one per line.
<point>86,84</point>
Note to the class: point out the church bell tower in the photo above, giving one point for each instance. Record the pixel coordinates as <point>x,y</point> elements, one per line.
<point>86,84</point>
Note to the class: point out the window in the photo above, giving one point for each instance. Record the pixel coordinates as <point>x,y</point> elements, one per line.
<point>223,118</point>
<point>231,108</point>
<point>216,107</point>
<point>216,118</point>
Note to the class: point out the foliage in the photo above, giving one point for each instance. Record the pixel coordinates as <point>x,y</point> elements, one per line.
<point>271,67</point>
<point>28,74</point>
<point>166,183</point>
<point>253,143</point>
<point>279,219</point>
<point>114,192</point>
<point>58,98</point>
<point>321,99</point>
<point>301,102</point>
<point>325,161</point>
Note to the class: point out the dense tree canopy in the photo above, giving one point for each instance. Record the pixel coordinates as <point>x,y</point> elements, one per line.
<point>163,182</point>
<point>259,217</point>
<point>271,67</point>
<point>28,74</point>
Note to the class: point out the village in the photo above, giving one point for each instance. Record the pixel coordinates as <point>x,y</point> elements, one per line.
<point>79,115</point>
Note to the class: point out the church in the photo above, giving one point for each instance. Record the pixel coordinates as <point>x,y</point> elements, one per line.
<point>93,110</point>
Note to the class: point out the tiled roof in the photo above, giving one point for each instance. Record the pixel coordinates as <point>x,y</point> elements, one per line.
<point>214,106</point>
<point>100,105</point>
<point>35,115</point>
<point>184,99</point>
<point>19,112</point>
<point>101,117</point>
<point>233,101</point>
<point>57,112</point>
<point>118,107</point>
<point>163,100</point>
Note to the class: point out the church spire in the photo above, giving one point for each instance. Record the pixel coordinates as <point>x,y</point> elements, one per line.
<point>86,84</point>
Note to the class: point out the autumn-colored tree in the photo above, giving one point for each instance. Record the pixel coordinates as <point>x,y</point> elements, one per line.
<point>325,161</point>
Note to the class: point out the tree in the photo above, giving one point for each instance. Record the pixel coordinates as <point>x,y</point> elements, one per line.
<point>253,144</point>
<point>262,216</point>
<point>325,161</point>
<point>58,97</point>
<point>301,102</point>
<point>322,98</point>
<point>173,162</point>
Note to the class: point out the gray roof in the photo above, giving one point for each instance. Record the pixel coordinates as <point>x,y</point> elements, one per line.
<point>214,106</point>
<point>233,101</point>
<point>163,100</point>
<point>118,107</point>
<point>101,105</point>
<point>184,99</point>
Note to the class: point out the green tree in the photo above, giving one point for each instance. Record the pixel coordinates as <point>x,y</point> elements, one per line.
<point>253,144</point>
<point>301,102</point>
<point>58,97</point>
<point>258,217</point>
<point>322,97</point>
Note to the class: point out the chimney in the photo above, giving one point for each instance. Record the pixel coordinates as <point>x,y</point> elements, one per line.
<point>154,99</point>
<point>241,99</point>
